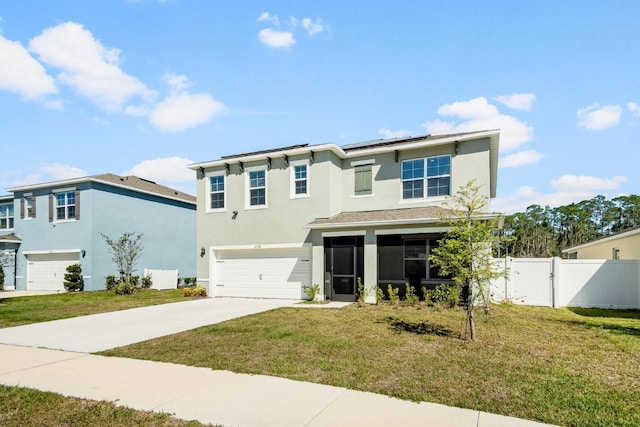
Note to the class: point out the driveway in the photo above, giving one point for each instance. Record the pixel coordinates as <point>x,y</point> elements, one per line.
<point>98,332</point>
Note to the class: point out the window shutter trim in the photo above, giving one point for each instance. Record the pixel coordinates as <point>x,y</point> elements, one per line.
<point>22,208</point>
<point>77,205</point>
<point>50,207</point>
<point>33,206</point>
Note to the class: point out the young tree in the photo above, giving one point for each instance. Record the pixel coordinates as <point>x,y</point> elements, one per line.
<point>126,251</point>
<point>465,250</point>
<point>73,278</point>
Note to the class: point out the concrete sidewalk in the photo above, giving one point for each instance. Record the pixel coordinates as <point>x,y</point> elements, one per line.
<point>222,397</point>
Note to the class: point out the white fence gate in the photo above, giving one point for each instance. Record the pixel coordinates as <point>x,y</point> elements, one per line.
<point>162,279</point>
<point>556,282</point>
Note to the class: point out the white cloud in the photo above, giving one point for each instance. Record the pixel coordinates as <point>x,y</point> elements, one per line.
<point>587,183</point>
<point>276,39</point>
<point>266,16</point>
<point>634,108</point>
<point>165,170</point>
<point>388,133</point>
<point>184,111</point>
<point>176,82</point>
<point>480,115</point>
<point>596,117</point>
<point>312,27</point>
<point>522,158</point>
<point>517,101</point>
<point>21,73</point>
<point>54,105</point>
<point>59,172</point>
<point>87,66</point>
<point>137,110</point>
<point>569,189</point>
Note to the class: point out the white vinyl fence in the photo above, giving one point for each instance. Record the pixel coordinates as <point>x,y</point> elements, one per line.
<point>556,282</point>
<point>163,279</point>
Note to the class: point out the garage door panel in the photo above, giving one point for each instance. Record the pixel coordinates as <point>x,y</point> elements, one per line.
<point>261,273</point>
<point>46,271</point>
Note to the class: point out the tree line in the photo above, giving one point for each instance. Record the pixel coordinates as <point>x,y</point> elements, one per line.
<point>545,231</point>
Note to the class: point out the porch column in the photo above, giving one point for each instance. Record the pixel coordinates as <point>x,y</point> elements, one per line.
<point>371,265</point>
<point>317,262</point>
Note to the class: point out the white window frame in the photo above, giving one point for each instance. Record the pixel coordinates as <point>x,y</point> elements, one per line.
<point>425,180</point>
<point>247,187</point>
<point>208,193</point>
<point>10,219</point>
<point>293,180</point>
<point>28,206</point>
<point>66,206</point>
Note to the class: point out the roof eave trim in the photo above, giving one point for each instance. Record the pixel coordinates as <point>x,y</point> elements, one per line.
<point>373,223</point>
<point>138,190</point>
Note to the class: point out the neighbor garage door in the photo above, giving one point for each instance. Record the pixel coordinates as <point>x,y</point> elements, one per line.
<point>46,271</point>
<point>261,273</point>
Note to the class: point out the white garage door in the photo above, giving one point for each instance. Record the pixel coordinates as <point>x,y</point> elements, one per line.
<point>261,273</point>
<point>46,271</point>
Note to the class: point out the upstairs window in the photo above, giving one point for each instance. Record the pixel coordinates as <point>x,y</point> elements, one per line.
<point>216,192</point>
<point>300,179</point>
<point>432,174</point>
<point>363,180</point>
<point>257,188</point>
<point>299,183</point>
<point>6,217</point>
<point>29,207</point>
<point>64,205</point>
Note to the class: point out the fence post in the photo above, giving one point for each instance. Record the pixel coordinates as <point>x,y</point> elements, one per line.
<point>555,281</point>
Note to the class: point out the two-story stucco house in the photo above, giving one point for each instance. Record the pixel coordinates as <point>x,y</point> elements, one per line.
<point>273,221</point>
<point>49,226</point>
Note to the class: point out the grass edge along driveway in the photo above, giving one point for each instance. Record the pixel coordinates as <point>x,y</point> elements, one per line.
<point>42,308</point>
<point>574,367</point>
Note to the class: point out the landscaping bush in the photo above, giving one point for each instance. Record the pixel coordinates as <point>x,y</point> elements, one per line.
<point>125,288</point>
<point>411,298</point>
<point>393,295</point>
<point>195,292</point>
<point>146,282</point>
<point>1,278</point>
<point>135,281</point>
<point>111,282</point>
<point>73,278</point>
<point>362,292</point>
<point>311,291</point>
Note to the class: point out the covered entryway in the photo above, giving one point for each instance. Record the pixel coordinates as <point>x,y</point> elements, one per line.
<point>260,273</point>
<point>45,272</point>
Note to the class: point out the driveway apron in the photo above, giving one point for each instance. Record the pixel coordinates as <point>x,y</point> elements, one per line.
<point>99,332</point>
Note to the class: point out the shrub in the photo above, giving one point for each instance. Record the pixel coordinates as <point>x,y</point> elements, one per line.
<point>393,295</point>
<point>312,291</point>
<point>379,295</point>
<point>411,298</point>
<point>444,295</point>
<point>110,282</point>
<point>362,292</point>
<point>1,278</point>
<point>125,288</point>
<point>146,282</point>
<point>195,292</point>
<point>135,281</point>
<point>187,281</point>
<point>73,278</point>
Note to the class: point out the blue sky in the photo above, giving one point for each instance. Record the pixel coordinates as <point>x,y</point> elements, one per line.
<point>146,87</point>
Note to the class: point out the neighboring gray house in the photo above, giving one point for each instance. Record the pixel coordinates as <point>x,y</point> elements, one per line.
<point>51,225</point>
<point>273,221</point>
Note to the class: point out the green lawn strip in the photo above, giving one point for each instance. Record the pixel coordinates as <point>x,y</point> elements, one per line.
<point>551,365</point>
<point>42,308</point>
<point>24,407</point>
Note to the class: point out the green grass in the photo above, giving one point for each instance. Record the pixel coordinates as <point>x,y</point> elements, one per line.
<point>570,367</point>
<point>23,407</point>
<point>41,308</point>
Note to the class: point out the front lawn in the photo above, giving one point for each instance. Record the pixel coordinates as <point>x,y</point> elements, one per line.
<point>23,407</point>
<point>569,367</point>
<point>41,308</point>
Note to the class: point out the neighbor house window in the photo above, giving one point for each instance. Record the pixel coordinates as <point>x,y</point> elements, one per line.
<point>216,192</point>
<point>65,205</point>
<point>257,188</point>
<point>432,174</point>
<point>6,217</point>
<point>363,180</point>
<point>299,180</point>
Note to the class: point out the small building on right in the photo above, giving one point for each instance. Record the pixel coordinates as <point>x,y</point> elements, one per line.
<point>624,244</point>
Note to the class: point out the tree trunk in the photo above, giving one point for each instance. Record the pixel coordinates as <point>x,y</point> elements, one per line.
<point>472,323</point>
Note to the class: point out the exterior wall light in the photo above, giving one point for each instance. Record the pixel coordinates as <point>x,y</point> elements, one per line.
<point>202,251</point>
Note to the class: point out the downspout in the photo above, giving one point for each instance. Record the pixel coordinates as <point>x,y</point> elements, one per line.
<point>15,269</point>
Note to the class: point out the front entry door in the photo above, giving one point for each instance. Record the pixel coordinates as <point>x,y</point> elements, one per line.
<point>343,264</point>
